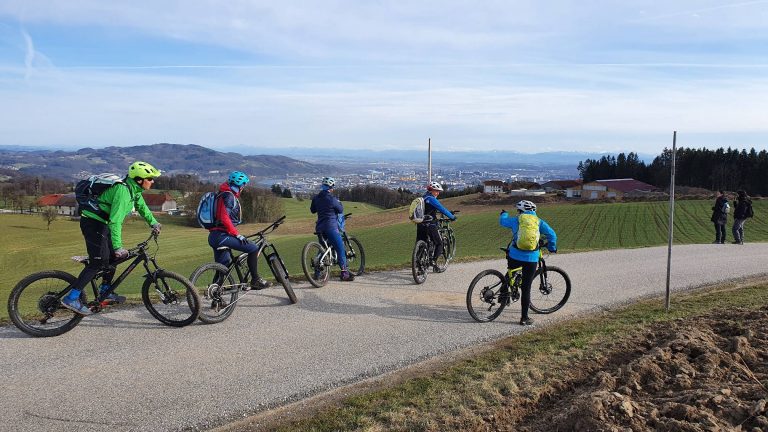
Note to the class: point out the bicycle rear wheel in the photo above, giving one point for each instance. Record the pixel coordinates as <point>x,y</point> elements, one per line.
<point>316,271</point>
<point>487,296</point>
<point>420,262</point>
<point>278,269</point>
<point>549,292</point>
<point>171,299</point>
<point>355,256</point>
<point>34,304</point>
<point>218,292</point>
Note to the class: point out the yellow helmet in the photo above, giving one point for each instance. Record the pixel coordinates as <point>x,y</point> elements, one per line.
<point>142,170</point>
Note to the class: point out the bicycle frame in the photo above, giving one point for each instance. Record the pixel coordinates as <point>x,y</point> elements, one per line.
<point>330,250</point>
<point>236,261</point>
<point>141,256</point>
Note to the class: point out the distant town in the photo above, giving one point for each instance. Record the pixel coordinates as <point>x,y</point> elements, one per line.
<point>413,177</point>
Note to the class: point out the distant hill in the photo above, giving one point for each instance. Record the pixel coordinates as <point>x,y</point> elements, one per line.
<point>170,158</point>
<point>460,159</point>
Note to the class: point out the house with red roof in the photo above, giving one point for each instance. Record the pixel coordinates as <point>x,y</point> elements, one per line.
<point>160,202</point>
<point>610,188</point>
<point>65,204</point>
<point>560,185</point>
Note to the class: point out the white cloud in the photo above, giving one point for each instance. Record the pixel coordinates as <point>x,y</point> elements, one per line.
<point>482,74</point>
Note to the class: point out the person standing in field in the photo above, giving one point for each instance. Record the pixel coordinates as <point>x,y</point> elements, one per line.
<point>742,210</point>
<point>720,216</point>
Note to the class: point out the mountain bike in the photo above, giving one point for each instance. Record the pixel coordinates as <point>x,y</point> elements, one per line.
<point>491,291</point>
<point>421,259</point>
<point>318,257</point>
<point>35,307</point>
<point>222,286</point>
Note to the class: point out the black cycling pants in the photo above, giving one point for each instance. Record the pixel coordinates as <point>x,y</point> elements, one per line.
<point>424,230</point>
<point>98,243</point>
<point>529,270</point>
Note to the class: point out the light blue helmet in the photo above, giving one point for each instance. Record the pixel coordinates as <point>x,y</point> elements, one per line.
<point>329,181</point>
<point>238,178</point>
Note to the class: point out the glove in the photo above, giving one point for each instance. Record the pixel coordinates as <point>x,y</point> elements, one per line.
<point>242,239</point>
<point>454,218</point>
<point>156,228</point>
<point>121,253</point>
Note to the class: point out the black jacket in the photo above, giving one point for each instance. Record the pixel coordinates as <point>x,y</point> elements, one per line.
<point>743,209</point>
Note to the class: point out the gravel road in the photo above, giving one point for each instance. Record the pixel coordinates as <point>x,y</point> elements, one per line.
<point>124,371</point>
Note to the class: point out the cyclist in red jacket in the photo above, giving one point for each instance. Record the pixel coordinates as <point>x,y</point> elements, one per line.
<point>224,233</point>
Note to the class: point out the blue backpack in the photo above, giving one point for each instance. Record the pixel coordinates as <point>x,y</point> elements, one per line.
<point>206,210</point>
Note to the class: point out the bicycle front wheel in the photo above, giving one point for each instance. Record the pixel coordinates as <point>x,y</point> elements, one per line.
<point>487,296</point>
<point>315,269</point>
<point>278,269</point>
<point>34,304</point>
<point>355,256</point>
<point>218,292</point>
<point>420,262</point>
<point>171,299</point>
<point>550,291</point>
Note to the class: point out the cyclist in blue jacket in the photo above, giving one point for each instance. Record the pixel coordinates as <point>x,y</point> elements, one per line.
<point>330,213</point>
<point>527,259</point>
<point>429,227</point>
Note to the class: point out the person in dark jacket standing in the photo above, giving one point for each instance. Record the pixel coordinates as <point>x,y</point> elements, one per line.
<point>225,234</point>
<point>742,210</point>
<point>720,216</point>
<point>329,213</point>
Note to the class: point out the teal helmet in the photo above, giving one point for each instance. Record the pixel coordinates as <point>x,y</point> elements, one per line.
<point>238,178</point>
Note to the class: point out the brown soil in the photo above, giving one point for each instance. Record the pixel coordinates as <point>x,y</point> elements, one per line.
<point>701,374</point>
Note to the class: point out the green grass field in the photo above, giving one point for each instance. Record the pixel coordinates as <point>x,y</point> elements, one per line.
<point>295,209</point>
<point>28,247</point>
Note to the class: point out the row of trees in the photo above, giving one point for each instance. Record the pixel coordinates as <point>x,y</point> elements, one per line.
<point>376,195</point>
<point>728,169</point>
<point>389,198</point>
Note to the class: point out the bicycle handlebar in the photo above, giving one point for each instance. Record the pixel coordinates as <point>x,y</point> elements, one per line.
<point>273,226</point>
<point>132,252</point>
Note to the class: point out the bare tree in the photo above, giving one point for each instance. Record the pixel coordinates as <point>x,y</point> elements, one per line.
<point>49,215</point>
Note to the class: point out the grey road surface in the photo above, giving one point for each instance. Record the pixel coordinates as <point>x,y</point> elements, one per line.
<point>124,371</point>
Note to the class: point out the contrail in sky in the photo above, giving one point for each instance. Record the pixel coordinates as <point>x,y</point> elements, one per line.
<point>29,58</point>
<point>696,11</point>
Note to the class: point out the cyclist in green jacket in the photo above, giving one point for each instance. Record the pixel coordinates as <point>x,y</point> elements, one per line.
<point>103,237</point>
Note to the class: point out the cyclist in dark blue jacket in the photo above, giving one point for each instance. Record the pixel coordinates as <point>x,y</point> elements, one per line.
<point>330,214</point>
<point>429,228</point>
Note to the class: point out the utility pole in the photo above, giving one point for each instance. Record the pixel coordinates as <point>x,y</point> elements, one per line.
<point>429,160</point>
<point>671,216</point>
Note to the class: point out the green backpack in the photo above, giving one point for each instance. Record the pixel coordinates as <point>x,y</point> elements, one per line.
<point>528,234</point>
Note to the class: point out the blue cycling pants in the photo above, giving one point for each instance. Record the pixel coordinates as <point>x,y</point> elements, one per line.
<point>334,238</point>
<point>217,239</point>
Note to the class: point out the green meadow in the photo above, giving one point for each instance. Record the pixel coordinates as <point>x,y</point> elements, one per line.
<point>27,246</point>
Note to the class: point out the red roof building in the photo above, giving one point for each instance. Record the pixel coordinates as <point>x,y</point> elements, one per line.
<point>609,188</point>
<point>159,201</point>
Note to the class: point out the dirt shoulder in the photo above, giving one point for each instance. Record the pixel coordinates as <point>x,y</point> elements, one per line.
<point>699,374</point>
<point>635,369</point>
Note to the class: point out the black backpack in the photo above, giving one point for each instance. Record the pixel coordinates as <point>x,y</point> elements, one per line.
<point>87,192</point>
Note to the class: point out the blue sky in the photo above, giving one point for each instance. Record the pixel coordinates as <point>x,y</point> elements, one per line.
<point>528,76</point>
